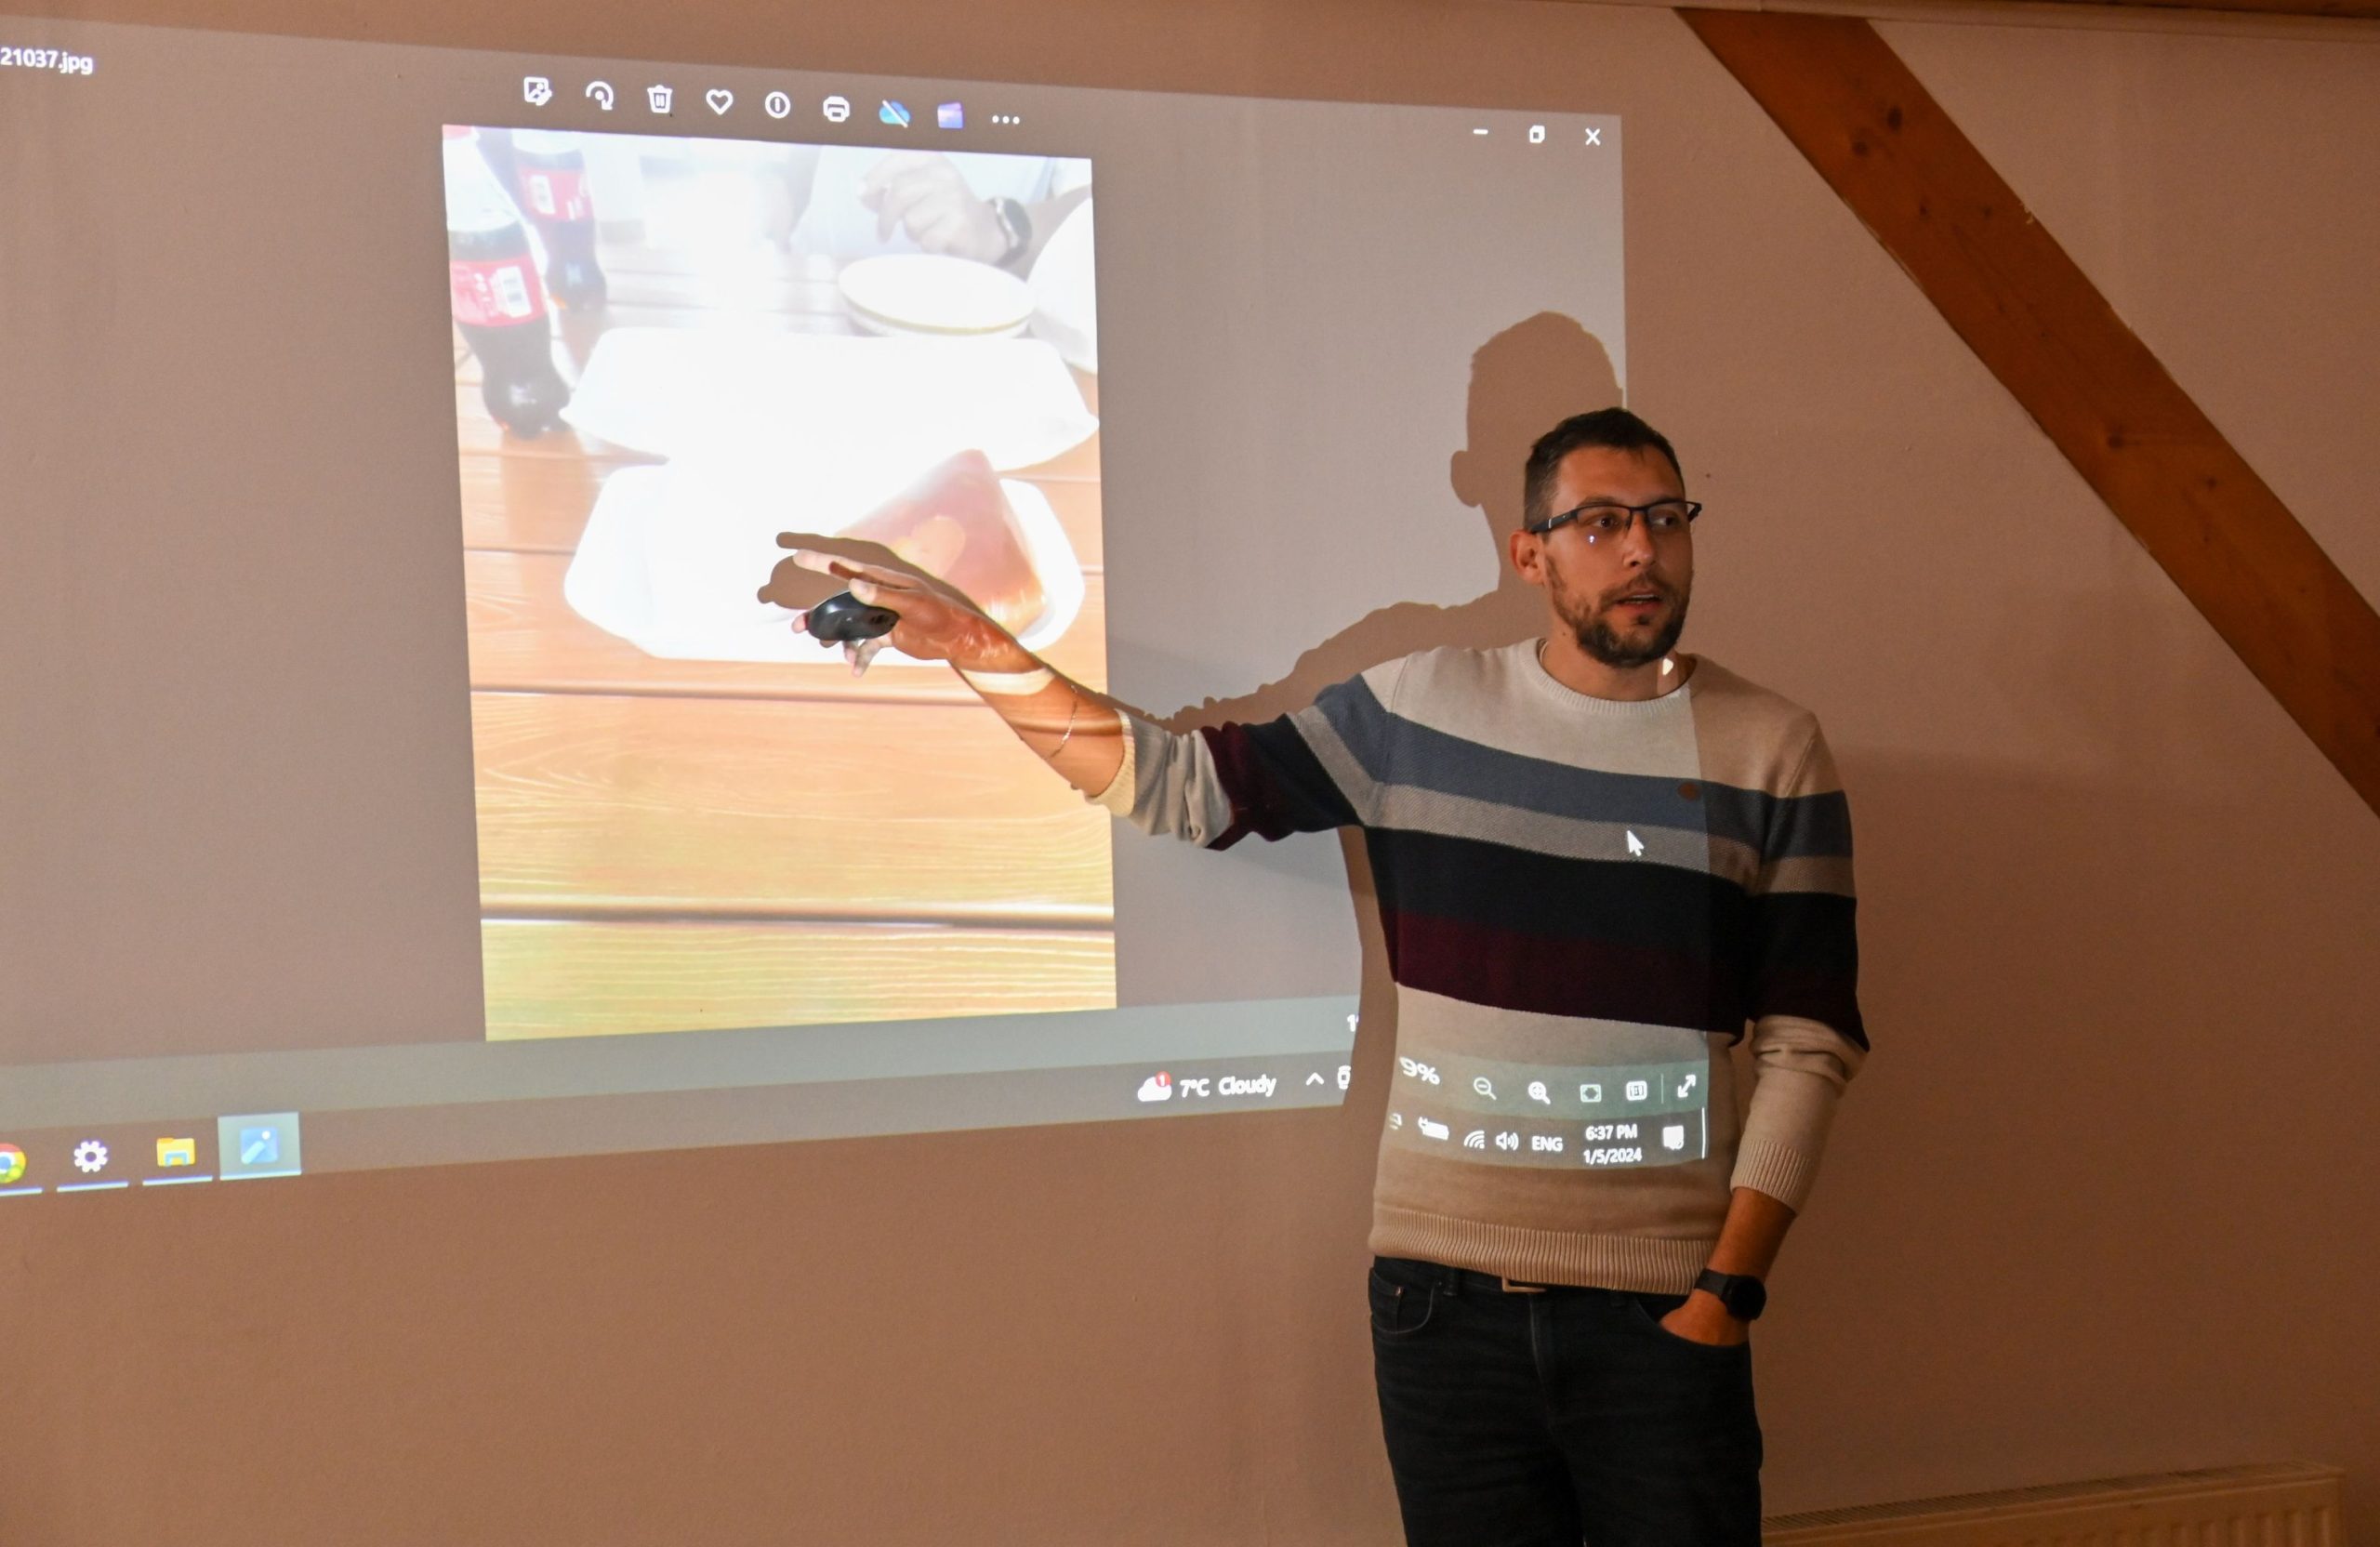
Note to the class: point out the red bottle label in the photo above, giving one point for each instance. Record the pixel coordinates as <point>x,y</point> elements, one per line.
<point>498,293</point>
<point>555,194</point>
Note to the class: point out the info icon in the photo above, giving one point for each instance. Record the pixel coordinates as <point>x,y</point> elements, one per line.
<point>776,105</point>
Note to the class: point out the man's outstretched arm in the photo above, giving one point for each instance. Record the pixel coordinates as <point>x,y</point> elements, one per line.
<point>1074,729</point>
<point>1308,772</point>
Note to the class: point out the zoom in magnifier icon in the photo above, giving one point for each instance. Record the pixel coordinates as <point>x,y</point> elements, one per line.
<point>1479,1083</point>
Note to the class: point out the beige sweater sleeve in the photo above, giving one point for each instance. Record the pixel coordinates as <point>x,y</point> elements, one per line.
<point>1799,1070</point>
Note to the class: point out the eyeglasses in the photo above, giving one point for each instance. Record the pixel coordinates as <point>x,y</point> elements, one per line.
<point>1608,520</point>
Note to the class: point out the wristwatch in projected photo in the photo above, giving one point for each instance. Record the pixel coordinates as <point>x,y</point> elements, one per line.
<point>1015,225</point>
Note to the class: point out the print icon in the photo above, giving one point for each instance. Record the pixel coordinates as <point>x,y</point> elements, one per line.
<point>1157,1087</point>
<point>719,99</point>
<point>537,90</point>
<point>601,94</point>
<point>836,109</point>
<point>658,97</point>
<point>776,105</point>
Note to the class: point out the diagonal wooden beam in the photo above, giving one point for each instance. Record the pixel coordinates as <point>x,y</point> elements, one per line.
<point>1846,101</point>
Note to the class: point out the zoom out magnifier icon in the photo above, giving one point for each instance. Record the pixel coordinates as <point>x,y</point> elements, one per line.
<point>1481,1084</point>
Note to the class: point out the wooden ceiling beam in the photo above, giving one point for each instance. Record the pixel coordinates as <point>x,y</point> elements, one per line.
<point>1882,142</point>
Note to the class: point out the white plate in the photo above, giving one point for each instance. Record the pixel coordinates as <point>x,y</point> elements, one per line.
<point>723,393</point>
<point>931,293</point>
<point>667,565</point>
<point>880,328</point>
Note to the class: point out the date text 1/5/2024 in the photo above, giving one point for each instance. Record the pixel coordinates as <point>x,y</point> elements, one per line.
<point>57,59</point>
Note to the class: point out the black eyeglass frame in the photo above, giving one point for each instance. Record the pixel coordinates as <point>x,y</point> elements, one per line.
<point>1636,514</point>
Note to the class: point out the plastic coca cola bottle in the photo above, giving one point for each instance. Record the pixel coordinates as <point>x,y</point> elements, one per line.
<point>499,302</point>
<point>551,173</point>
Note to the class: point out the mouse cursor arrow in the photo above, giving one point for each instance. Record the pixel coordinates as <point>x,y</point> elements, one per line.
<point>1635,844</point>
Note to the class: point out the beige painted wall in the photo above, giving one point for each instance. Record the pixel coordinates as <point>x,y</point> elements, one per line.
<point>2101,1201</point>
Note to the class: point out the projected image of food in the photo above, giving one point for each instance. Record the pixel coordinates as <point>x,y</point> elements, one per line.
<point>667,351</point>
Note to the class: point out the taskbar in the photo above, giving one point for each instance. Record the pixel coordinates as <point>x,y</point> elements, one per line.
<point>117,1158</point>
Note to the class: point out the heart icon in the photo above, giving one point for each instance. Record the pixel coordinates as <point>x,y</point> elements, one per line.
<point>719,99</point>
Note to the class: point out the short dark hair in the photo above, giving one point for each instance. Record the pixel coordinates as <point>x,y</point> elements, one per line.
<point>1615,428</point>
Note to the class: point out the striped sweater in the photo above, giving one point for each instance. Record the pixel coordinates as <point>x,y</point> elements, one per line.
<point>1586,903</point>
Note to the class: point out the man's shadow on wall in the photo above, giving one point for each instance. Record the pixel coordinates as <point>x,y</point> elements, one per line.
<point>1524,381</point>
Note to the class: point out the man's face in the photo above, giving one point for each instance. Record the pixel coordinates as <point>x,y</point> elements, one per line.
<point>1624,597</point>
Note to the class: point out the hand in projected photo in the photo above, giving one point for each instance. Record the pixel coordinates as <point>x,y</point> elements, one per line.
<point>921,193</point>
<point>935,623</point>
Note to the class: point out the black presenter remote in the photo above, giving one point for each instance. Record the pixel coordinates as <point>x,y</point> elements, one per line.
<point>843,618</point>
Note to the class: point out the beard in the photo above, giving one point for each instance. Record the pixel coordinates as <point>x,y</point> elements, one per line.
<point>1589,622</point>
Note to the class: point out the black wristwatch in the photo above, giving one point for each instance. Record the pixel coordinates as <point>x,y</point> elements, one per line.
<point>1744,1296</point>
<point>1015,226</point>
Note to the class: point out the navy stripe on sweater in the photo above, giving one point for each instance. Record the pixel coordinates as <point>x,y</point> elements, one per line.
<point>1395,751</point>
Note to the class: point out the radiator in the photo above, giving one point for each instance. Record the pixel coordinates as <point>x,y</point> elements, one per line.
<point>2285,1505</point>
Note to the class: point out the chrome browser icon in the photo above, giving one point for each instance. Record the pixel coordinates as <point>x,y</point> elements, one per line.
<point>12,1164</point>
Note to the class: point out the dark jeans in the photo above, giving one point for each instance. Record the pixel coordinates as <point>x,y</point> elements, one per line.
<point>1545,1420</point>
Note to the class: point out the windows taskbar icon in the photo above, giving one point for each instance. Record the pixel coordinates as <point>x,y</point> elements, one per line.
<point>258,1144</point>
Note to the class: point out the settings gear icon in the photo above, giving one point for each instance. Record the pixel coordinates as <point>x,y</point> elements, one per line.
<point>90,1156</point>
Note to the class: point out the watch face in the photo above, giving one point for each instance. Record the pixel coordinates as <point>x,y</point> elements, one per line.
<point>1744,1296</point>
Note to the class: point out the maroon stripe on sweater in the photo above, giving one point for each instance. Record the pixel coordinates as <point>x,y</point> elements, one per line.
<point>1508,969</point>
<point>1275,785</point>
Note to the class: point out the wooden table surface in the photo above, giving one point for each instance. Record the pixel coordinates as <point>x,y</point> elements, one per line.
<point>670,845</point>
